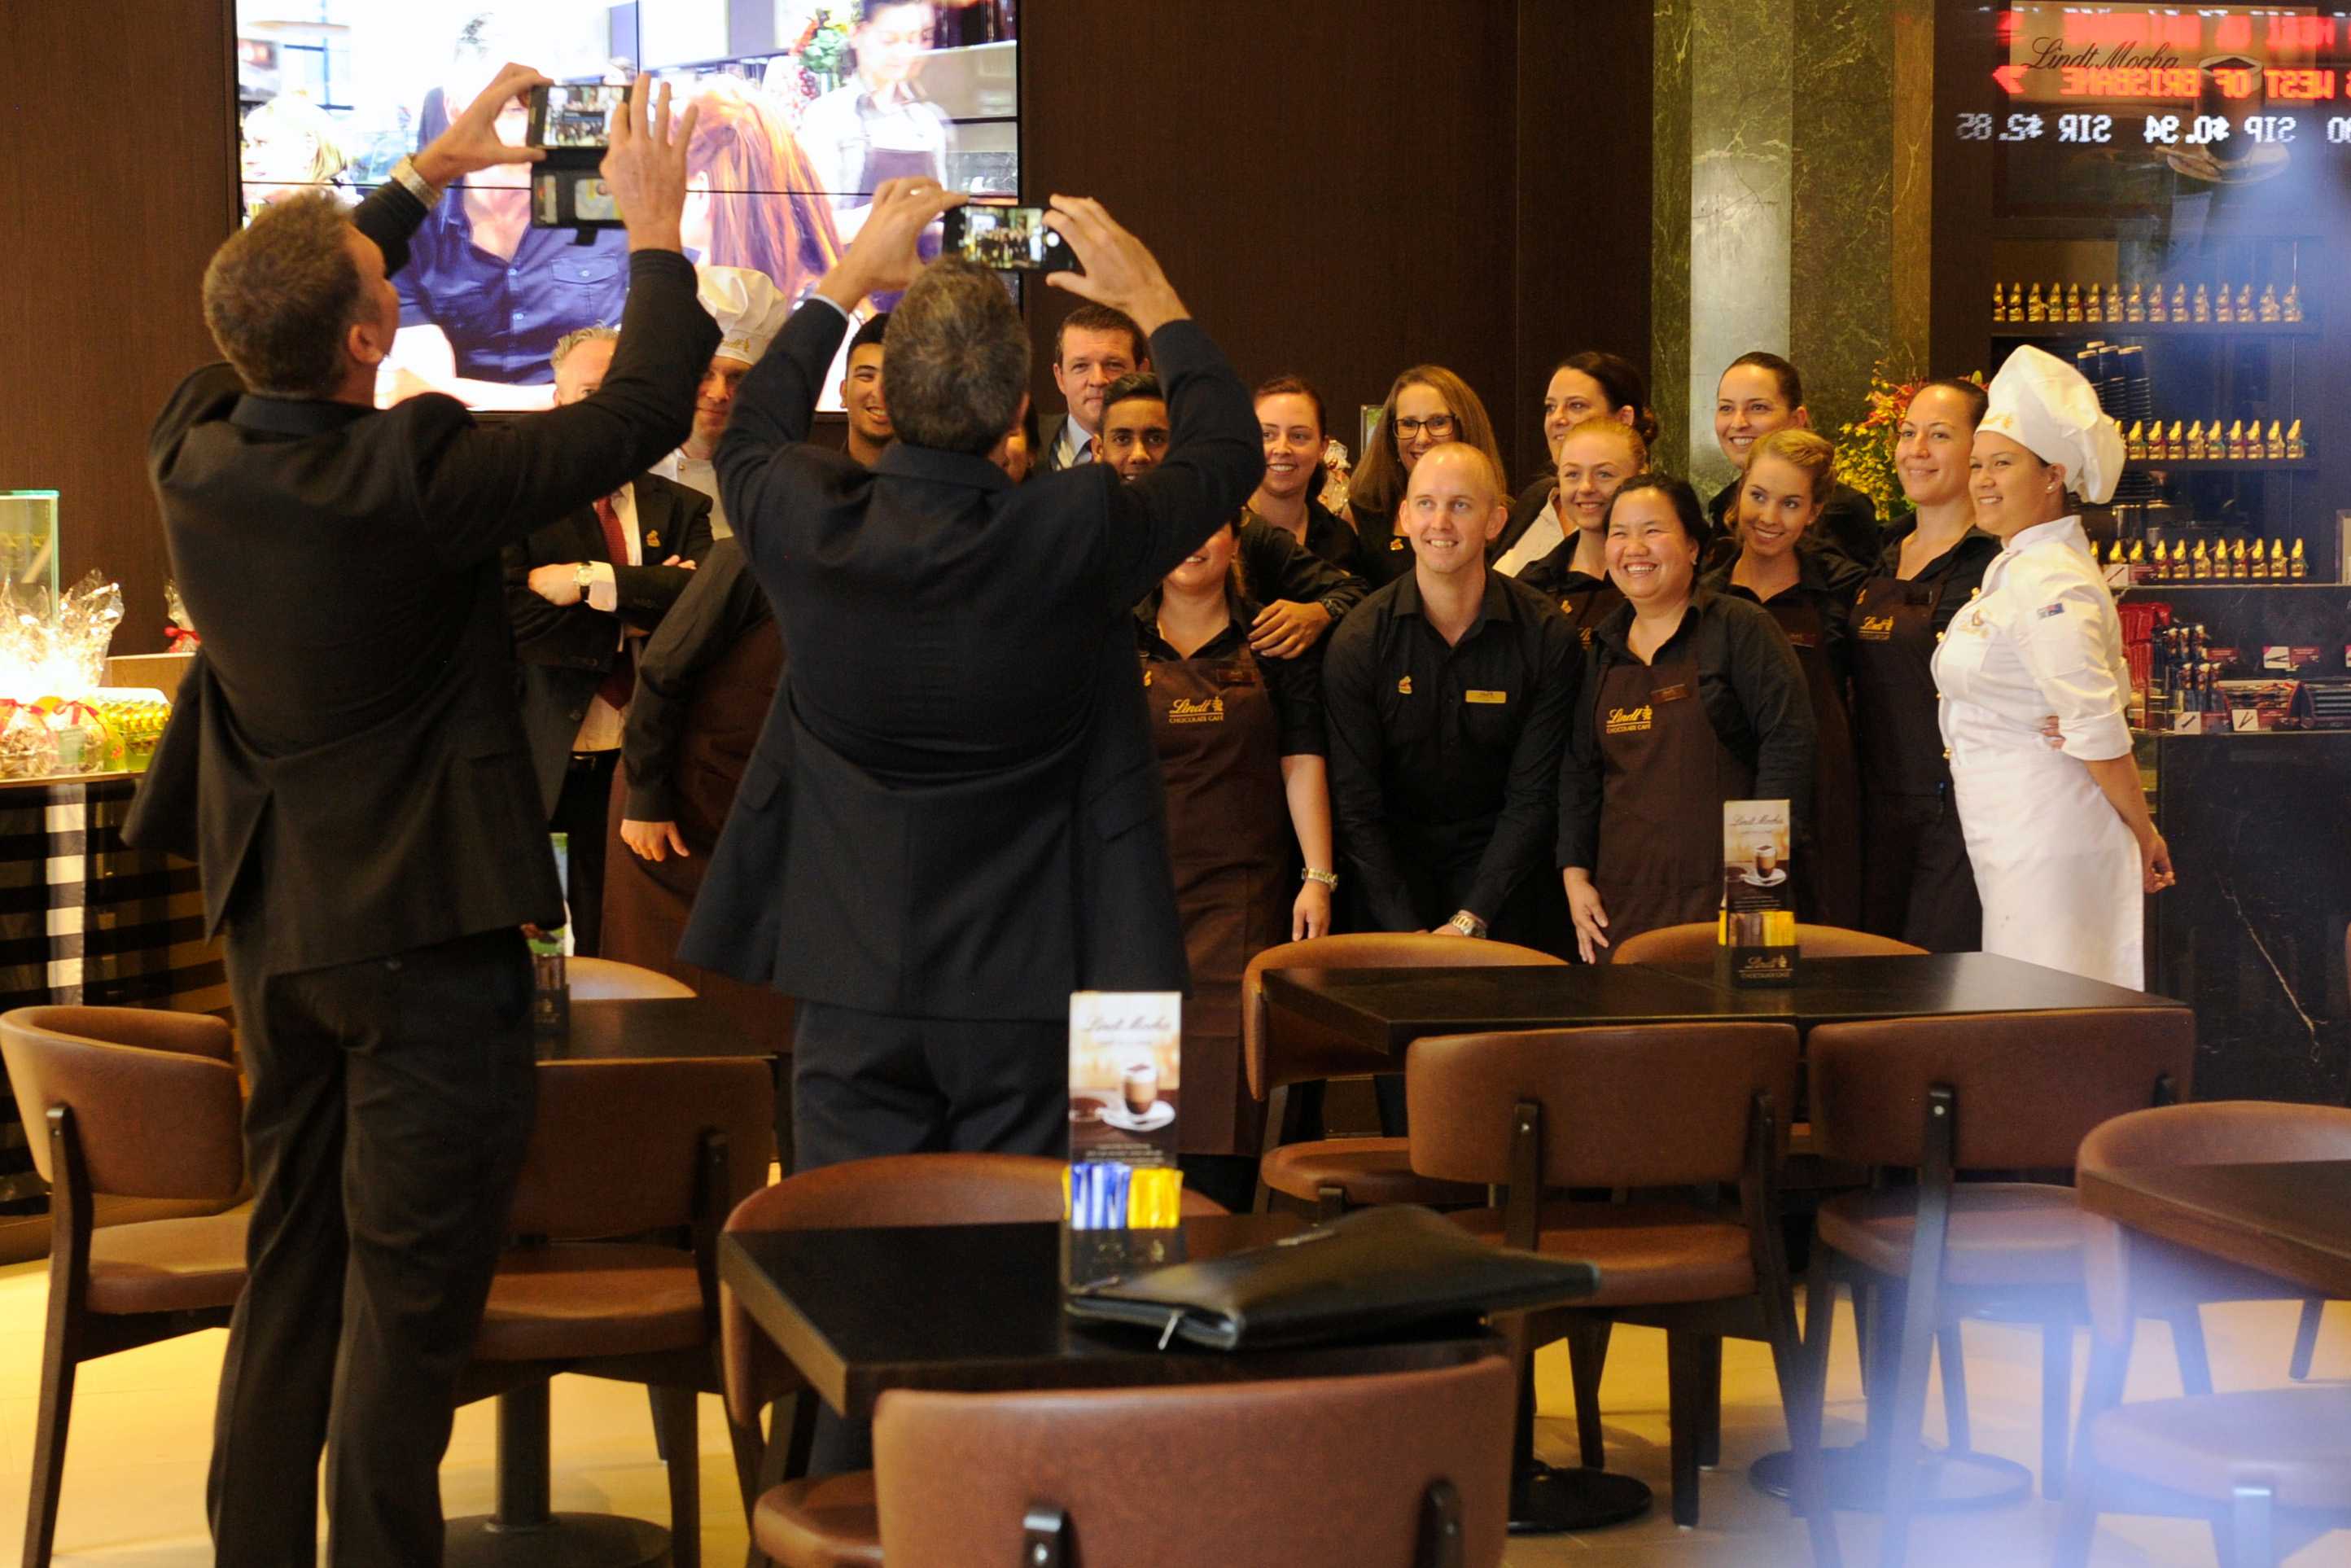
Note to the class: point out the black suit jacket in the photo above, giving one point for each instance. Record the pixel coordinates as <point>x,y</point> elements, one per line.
<point>346,761</point>
<point>954,809</point>
<point>568,649</point>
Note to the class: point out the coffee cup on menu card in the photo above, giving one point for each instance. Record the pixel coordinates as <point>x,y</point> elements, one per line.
<point>1755,938</point>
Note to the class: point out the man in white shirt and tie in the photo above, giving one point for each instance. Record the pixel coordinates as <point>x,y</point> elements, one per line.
<point>580,593</point>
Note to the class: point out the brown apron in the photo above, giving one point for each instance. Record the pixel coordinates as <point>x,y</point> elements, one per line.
<point>1229,844</point>
<point>1664,777</point>
<point>1916,882</point>
<point>1586,607</point>
<point>1828,889</point>
<point>647,902</point>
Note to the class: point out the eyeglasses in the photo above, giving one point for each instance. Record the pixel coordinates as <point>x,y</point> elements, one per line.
<point>1438,425</point>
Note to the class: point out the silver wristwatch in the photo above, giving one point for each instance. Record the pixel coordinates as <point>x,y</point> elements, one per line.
<point>416,184</point>
<point>1466,924</point>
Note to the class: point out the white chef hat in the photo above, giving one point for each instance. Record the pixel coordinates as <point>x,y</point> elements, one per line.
<point>749,307</point>
<point>2044,405</point>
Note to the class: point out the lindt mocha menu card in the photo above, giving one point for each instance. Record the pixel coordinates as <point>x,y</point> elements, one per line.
<point>1125,1078</point>
<point>1757,931</point>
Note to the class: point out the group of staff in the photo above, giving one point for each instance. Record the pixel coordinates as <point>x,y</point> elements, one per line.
<point>1591,669</point>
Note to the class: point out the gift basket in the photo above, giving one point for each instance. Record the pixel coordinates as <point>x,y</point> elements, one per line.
<point>57,715</point>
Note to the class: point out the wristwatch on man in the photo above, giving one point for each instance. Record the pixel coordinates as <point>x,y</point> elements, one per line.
<point>1466,924</point>
<point>583,578</point>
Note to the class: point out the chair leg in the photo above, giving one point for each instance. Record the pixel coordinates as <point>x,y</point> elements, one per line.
<point>1330,1204</point>
<point>2195,1364</point>
<point>2101,1392</point>
<point>1813,1349</point>
<point>661,1436</point>
<point>2305,1338</point>
<point>2253,1545</point>
<point>1685,1401</point>
<point>1709,1402</point>
<point>1800,1403</point>
<point>749,1446</point>
<point>2056,1403</point>
<point>674,1417</point>
<point>1950,1354</point>
<point>1587,1358</point>
<point>59,1360</point>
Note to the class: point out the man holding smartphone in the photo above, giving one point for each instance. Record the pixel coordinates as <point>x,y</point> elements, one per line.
<point>346,764</point>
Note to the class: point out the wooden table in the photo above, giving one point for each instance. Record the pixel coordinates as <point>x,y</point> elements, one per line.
<point>2292,1218</point>
<point>978,1306</point>
<point>1387,1009</point>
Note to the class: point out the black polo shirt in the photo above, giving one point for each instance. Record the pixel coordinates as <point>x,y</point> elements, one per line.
<point>1294,684</point>
<point>1440,752</point>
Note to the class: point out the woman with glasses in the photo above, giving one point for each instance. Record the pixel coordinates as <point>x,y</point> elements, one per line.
<point>1427,406</point>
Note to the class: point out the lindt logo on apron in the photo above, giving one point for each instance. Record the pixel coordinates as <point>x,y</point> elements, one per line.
<point>1755,938</point>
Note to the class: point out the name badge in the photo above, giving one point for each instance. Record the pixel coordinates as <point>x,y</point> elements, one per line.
<point>1803,639</point>
<point>1488,697</point>
<point>1672,693</point>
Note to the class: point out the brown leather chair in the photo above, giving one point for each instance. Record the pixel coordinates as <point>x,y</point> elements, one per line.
<point>1338,1173</point>
<point>1653,1110</point>
<point>133,1104</point>
<point>609,979</point>
<point>1939,1097</point>
<point>2250,1462</point>
<point>656,1154</point>
<point>1326,1472</point>
<point>1697,942</point>
<point>831,1522</point>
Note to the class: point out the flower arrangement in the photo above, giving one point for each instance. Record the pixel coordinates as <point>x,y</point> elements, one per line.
<point>1865,447</point>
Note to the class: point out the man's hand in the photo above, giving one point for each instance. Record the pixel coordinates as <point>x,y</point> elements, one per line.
<point>472,142</point>
<point>558,585</point>
<point>1120,270</point>
<point>645,166</point>
<point>1285,628</point>
<point>1590,917</point>
<point>651,840</point>
<point>882,256</point>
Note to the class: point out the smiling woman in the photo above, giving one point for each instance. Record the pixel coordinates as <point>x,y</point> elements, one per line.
<point>1428,405</point>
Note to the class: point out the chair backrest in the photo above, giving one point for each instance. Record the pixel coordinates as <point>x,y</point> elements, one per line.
<point>1643,1105</point>
<point>609,979</point>
<point>894,1190</point>
<point>616,1149</point>
<point>1328,1473</point>
<point>2129,1274</point>
<point>2030,1085</point>
<point>153,1096</point>
<point>1301,1050</point>
<point>1696,941</point>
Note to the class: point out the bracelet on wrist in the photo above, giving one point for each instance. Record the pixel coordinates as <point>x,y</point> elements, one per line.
<point>414,181</point>
<point>1329,879</point>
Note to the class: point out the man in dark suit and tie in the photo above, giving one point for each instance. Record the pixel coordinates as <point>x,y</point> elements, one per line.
<point>953,818</point>
<point>582,593</point>
<point>346,764</point>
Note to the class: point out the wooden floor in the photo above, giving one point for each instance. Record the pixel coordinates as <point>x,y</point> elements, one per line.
<point>134,1478</point>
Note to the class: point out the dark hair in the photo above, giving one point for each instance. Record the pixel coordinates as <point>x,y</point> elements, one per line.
<point>871,332</point>
<point>280,293</point>
<point>1294,386</point>
<point>1791,385</point>
<point>1677,492</point>
<point>955,358</point>
<point>1093,318</point>
<point>1621,383</point>
<point>1133,384</point>
<point>1978,400</point>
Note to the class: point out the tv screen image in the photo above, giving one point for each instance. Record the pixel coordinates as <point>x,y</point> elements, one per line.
<point>803,109</point>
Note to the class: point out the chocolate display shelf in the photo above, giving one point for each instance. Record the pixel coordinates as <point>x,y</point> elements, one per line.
<point>2028,330</point>
<point>2226,465</point>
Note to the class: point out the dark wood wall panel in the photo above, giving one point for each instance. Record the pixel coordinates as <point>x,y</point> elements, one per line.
<point>109,216</point>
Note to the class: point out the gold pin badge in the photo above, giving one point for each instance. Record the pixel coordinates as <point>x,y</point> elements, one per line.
<point>1404,686</point>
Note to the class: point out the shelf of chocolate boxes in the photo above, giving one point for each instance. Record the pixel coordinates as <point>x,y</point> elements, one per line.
<point>2181,683</point>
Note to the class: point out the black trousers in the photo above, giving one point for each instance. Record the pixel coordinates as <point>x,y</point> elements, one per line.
<point>580,811</point>
<point>1917,884</point>
<point>872,1084</point>
<point>392,1102</point>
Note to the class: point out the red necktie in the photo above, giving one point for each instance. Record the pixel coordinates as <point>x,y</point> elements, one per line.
<point>623,678</point>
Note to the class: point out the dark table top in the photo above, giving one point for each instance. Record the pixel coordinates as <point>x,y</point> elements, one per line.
<point>2291,1220</point>
<point>652,1027</point>
<point>978,1306</point>
<point>1387,1009</point>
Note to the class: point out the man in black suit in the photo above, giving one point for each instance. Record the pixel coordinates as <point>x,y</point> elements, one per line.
<point>1093,347</point>
<point>582,592</point>
<point>346,764</point>
<point>953,818</point>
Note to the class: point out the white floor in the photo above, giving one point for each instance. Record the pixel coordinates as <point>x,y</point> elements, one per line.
<point>135,1471</point>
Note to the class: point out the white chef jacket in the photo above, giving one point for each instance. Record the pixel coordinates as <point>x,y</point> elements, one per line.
<point>1543,536</point>
<point>697,474</point>
<point>2057,870</point>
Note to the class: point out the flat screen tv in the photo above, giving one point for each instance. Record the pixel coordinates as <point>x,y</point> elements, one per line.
<point>805,108</point>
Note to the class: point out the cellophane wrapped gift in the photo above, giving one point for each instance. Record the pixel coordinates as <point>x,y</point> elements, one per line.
<point>28,748</point>
<point>52,663</point>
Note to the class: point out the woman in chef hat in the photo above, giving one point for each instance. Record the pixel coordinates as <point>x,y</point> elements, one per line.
<point>2058,831</point>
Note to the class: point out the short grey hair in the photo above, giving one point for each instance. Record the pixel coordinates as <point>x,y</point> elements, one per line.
<point>571,341</point>
<point>955,360</point>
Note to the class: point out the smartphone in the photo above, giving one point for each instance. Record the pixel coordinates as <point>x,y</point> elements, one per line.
<point>574,114</point>
<point>1010,239</point>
